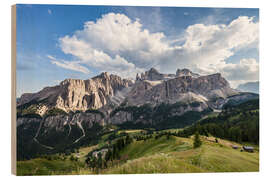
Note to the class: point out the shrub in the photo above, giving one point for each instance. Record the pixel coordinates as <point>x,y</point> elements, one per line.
<point>54,112</point>
<point>197,142</point>
<point>95,111</point>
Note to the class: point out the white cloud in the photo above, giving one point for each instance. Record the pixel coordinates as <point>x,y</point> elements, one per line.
<point>51,57</point>
<point>108,43</point>
<point>71,65</point>
<point>117,44</point>
<point>207,47</point>
<point>246,69</point>
<point>213,44</point>
<point>98,59</point>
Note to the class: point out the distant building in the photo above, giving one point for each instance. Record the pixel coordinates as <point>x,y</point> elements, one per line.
<point>248,148</point>
<point>102,151</point>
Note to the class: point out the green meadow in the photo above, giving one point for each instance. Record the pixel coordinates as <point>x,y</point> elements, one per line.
<point>162,155</point>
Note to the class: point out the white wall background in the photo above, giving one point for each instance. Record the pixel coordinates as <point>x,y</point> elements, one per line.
<point>5,85</point>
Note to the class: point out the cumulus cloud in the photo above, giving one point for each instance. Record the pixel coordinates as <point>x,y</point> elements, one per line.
<point>117,44</point>
<point>114,43</point>
<point>213,44</point>
<point>246,69</point>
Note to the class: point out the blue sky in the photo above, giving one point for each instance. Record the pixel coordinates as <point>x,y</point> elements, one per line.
<point>55,42</point>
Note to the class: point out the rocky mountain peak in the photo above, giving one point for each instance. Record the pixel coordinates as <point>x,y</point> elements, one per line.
<point>76,94</point>
<point>153,70</point>
<point>183,85</point>
<point>151,86</point>
<point>103,75</point>
<point>69,81</point>
<point>185,72</point>
<point>153,75</point>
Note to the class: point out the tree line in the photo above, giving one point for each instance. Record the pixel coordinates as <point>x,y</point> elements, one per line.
<point>111,157</point>
<point>236,123</point>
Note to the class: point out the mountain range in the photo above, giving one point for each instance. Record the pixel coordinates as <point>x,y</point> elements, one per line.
<point>73,112</point>
<point>249,87</point>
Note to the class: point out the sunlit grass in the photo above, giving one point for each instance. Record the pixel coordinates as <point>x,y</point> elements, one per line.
<point>162,155</point>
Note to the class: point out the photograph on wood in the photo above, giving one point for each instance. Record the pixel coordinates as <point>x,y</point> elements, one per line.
<point>135,89</point>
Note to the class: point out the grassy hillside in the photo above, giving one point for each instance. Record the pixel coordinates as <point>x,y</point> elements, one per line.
<point>153,146</point>
<point>176,155</point>
<point>42,166</point>
<point>161,155</point>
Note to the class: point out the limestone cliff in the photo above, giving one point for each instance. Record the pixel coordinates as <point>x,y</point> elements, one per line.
<point>76,94</point>
<point>182,88</point>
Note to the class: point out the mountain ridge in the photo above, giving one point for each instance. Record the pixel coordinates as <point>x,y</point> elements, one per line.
<point>73,113</point>
<point>249,87</point>
<point>76,94</point>
<point>105,91</point>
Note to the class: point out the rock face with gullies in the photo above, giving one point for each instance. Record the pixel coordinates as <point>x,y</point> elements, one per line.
<point>58,122</point>
<point>51,131</point>
<point>151,87</point>
<point>120,117</point>
<point>76,94</point>
<point>182,88</point>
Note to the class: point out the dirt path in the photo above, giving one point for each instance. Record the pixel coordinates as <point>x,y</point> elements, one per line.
<point>80,126</point>
<point>221,141</point>
<point>48,147</point>
<point>35,138</point>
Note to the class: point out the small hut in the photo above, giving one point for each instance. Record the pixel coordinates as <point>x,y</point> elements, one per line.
<point>248,148</point>
<point>102,151</point>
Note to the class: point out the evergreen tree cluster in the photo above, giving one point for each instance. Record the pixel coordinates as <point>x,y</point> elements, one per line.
<point>112,155</point>
<point>160,117</point>
<point>239,123</point>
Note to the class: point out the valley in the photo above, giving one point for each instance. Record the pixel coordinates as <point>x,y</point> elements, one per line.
<point>107,125</point>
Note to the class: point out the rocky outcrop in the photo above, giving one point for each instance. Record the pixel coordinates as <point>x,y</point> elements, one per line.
<point>76,94</point>
<point>120,117</point>
<point>71,127</point>
<point>183,89</point>
<point>27,120</point>
<point>107,91</point>
<point>154,75</point>
<point>186,72</point>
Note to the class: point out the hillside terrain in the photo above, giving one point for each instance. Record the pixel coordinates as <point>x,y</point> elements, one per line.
<point>173,155</point>
<point>107,124</point>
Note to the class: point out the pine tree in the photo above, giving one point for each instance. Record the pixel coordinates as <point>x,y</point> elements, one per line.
<point>108,155</point>
<point>197,142</point>
<point>99,160</point>
<point>128,140</point>
<point>93,162</point>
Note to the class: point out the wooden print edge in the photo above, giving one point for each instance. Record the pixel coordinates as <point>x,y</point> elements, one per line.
<point>13,91</point>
